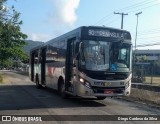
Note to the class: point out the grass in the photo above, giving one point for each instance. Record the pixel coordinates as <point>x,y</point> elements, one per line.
<point>1,78</point>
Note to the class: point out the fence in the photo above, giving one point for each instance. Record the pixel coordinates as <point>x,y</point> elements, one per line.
<point>149,74</point>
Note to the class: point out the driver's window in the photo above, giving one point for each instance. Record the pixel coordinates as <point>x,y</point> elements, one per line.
<point>81,59</point>
<point>122,54</point>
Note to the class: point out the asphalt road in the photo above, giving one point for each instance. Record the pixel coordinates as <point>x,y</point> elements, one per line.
<point>20,97</point>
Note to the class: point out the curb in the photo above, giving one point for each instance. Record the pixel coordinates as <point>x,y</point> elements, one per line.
<point>139,101</point>
<point>146,87</point>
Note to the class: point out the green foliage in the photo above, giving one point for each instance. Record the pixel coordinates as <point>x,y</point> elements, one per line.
<point>11,37</point>
<point>6,63</point>
<point>25,59</point>
<point>1,78</point>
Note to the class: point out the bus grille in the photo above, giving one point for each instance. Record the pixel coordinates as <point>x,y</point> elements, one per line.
<point>118,90</point>
<point>109,77</point>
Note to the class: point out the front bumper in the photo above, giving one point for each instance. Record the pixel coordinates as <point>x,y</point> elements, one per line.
<point>94,91</point>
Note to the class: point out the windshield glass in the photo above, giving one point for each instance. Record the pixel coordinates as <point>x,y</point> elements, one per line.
<point>105,56</point>
<point>120,55</point>
<point>95,55</point>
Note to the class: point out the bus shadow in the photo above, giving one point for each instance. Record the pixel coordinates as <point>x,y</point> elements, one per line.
<point>21,97</point>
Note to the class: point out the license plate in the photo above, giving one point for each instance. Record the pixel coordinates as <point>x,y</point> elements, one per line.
<point>108,92</point>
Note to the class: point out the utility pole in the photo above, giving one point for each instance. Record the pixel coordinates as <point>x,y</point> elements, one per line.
<point>122,14</point>
<point>137,14</point>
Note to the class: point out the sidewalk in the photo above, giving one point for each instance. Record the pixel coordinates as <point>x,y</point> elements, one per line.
<point>147,93</point>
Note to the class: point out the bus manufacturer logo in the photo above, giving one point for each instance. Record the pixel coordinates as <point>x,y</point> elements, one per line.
<point>99,83</point>
<point>107,84</point>
<point>102,83</point>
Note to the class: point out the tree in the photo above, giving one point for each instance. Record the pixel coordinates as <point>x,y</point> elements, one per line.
<point>11,37</point>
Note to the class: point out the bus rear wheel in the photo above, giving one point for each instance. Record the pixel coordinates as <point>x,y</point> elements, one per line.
<point>38,86</point>
<point>101,98</point>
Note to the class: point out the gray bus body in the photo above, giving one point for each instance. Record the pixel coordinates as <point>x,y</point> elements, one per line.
<point>88,62</point>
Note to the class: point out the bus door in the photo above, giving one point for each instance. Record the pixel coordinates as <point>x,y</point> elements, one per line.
<point>69,65</point>
<point>32,65</point>
<point>43,64</point>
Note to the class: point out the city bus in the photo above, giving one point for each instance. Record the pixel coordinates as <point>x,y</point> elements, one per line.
<point>90,61</point>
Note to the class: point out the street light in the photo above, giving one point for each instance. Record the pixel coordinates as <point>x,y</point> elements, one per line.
<point>134,59</point>
<point>137,14</point>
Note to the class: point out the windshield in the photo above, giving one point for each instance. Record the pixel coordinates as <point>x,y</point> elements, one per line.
<point>120,57</point>
<point>95,55</point>
<point>105,56</point>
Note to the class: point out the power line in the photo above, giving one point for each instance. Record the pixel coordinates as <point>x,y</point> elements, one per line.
<point>125,8</point>
<point>144,8</point>
<point>149,37</point>
<point>137,5</point>
<point>144,45</point>
<point>149,32</point>
<point>146,32</point>
<point>113,20</point>
<point>149,42</point>
<point>102,19</point>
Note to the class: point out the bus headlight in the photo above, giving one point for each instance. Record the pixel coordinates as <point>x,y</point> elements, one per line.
<point>84,82</point>
<point>81,80</point>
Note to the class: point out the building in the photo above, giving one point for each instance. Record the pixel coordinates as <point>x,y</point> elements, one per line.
<point>147,61</point>
<point>147,56</point>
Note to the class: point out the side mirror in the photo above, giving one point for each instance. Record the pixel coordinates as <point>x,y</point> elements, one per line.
<point>80,46</point>
<point>77,47</point>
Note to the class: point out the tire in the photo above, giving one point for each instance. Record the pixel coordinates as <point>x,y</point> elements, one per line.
<point>38,86</point>
<point>101,98</point>
<point>62,91</point>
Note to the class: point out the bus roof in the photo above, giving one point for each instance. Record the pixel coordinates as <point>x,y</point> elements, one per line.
<point>83,32</point>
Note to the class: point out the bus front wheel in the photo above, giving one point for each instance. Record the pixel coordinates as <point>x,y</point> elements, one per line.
<point>62,91</point>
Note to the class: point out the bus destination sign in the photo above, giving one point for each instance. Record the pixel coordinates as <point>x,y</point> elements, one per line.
<point>105,33</point>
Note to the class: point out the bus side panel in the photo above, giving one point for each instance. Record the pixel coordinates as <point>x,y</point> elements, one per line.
<point>55,59</point>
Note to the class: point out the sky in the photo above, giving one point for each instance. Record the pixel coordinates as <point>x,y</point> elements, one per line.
<point>44,20</point>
